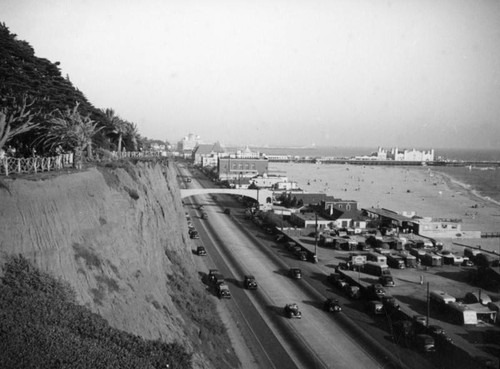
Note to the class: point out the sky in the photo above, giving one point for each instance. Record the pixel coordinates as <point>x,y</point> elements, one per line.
<point>363,73</point>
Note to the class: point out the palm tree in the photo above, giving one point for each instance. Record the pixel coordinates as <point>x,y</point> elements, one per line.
<point>71,130</point>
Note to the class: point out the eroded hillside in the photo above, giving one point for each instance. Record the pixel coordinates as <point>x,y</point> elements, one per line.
<point>117,235</point>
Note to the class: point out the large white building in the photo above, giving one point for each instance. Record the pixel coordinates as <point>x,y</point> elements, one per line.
<point>405,154</point>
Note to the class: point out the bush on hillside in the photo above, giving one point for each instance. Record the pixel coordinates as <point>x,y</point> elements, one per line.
<point>41,326</point>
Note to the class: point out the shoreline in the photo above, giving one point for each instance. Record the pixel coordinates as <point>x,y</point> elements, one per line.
<point>421,191</point>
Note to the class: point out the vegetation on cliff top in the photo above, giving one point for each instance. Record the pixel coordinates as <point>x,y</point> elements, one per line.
<point>41,326</point>
<point>34,94</point>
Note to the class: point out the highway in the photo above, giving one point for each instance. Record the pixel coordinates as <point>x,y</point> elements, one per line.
<point>315,341</point>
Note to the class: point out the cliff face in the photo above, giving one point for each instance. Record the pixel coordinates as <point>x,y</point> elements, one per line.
<point>112,234</point>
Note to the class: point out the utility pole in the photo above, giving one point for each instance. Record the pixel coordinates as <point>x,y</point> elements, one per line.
<point>315,237</point>
<point>428,306</point>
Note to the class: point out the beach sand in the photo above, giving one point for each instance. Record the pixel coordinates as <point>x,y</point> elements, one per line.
<point>422,190</point>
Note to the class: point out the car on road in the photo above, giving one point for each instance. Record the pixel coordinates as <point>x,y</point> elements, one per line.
<point>227,211</point>
<point>201,251</point>
<point>332,305</point>
<point>223,290</point>
<point>249,282</point>
<point>295,273</point>
<point>211,275</point>
<point>194,234</point>
<point>292,311</point>
<point>204,215</point>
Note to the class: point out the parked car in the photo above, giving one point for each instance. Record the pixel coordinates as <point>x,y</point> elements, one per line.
<point>332,305</point>
<point>249,282</point>
<point>227,211</point>
<point>295,273</point>
<point>390,303</point>
<point>375,307</point>
<point>194,235</point>
<point>201,251</point>
<point>292,311</point>
<point>204,215</point>
<point>375,291</point>
<point>353,292</point>
<point>386,281</point>
<point>467,262</point>
<point>439,334</point>
<point>301,255</point>
<point>419,323</point>
<point>425,343</point>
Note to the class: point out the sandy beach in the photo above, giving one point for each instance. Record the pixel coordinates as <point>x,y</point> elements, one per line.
<point>422,190</point>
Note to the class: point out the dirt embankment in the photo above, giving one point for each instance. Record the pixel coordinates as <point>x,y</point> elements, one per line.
<point>112,234</point>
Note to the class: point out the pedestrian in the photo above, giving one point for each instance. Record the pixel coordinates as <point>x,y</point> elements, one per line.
<point>421,279</point>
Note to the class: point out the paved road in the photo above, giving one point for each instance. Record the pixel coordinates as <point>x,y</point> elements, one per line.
<point>317,340</point>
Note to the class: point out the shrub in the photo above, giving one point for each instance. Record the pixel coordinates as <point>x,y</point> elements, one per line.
<point>42,327</point>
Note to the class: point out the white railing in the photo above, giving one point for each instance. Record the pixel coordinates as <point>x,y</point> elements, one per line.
<point>10,165</point>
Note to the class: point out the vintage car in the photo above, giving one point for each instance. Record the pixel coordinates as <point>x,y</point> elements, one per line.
<point>332,305</point>
<point>249,282</point>
<point>292,311</point>
<point>201,251</point>
<point>295,273</point>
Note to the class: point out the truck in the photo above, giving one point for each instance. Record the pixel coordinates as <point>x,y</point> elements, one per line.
<point>326,240</point>
<point>395,261</point>
<point>376,269</point>
<point>376,257</point>
<point>410,260</point>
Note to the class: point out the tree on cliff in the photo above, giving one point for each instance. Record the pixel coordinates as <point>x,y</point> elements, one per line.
<point>16,119</point>
<point>72,131</point>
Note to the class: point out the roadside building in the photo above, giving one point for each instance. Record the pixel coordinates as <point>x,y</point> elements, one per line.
<point>232,168</point>
<point>306,220</point>
<point>275,182</point>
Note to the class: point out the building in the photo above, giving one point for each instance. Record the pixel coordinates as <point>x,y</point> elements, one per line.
<point>304,220</point>
<point>187,144</point>
<point>274,182</point>
<point>207,155</point>
<point>404,155</point>
<point>233,168</point>
<point>343,213</point>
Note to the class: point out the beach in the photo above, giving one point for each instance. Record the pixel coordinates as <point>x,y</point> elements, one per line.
<point>422,191</point>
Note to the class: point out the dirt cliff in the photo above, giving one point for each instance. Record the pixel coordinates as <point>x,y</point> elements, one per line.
<point>114,233</point>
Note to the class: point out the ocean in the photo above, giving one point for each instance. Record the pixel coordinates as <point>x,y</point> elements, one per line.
<point>348,152</point>
<point>484,181</point>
